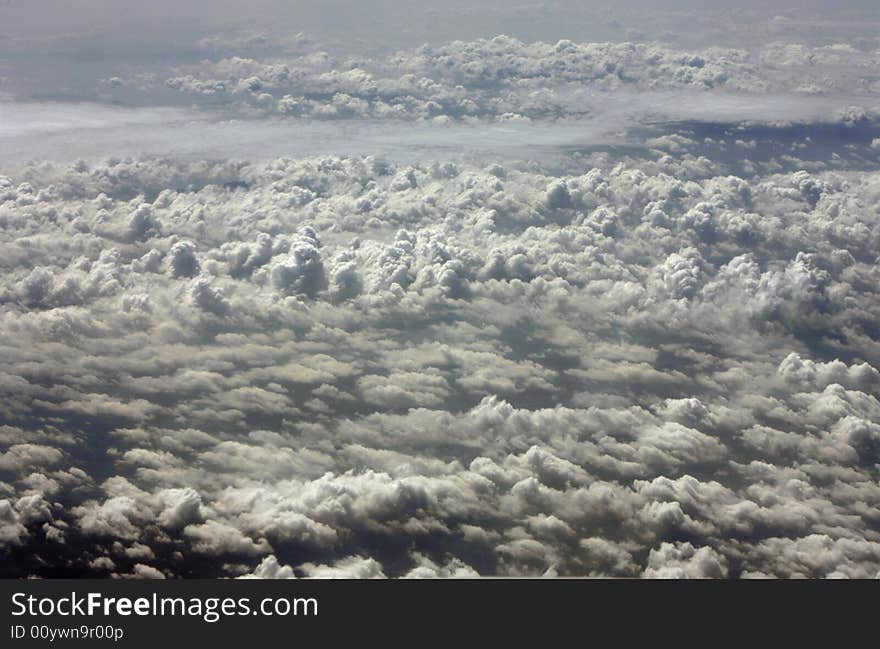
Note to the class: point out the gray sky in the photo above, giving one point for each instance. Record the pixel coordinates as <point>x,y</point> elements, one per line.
<point>112,21</point>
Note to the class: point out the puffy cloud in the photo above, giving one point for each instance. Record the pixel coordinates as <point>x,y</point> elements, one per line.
<point>453,569</point>
<point>347,568</point>
<point>119,517</point>
<point>143,571</point>
<point>11,529</point>
<point>500,78</point>
<point>269,568</point>
<point>301,270</point>
<point>209,298</point>
<point>182,507</point>
<point>819,375</point>
<point>218,539</point>
<point>683,561</point>
<point>183,260</point>
<point>659,362</point>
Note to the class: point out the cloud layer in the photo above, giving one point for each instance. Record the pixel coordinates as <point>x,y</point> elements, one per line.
<point>354,367</point>
<point>278,305</point>
<point>501,78</point>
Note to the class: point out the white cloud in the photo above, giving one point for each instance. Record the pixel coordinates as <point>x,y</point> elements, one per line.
<point>659,361</point>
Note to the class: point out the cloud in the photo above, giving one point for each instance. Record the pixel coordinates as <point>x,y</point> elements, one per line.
<point>548,358</point>
<point>269,568</point>
<point>11,530</point>
<point>348,568</point>
<point>214,538</point>
<point>683,561</point>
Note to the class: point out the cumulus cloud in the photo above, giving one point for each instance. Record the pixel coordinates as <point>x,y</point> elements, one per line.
<point>347,568</point>
<point>683,561</point>
<point>500,79</point>
<point>658,360</point>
